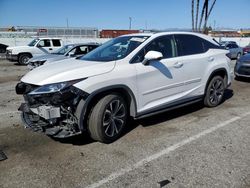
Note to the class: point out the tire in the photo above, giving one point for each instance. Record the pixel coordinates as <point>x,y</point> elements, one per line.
<point>108,118</point>
<point>23,59</point>
<point>215,92</point>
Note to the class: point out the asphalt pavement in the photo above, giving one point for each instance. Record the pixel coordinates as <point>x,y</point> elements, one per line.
<point>192,146</point>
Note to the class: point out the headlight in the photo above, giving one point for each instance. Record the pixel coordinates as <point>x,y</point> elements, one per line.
<point>52,88</point>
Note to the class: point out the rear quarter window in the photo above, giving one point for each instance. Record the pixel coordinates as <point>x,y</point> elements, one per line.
<point>56,43</point>
<point>190,45</point>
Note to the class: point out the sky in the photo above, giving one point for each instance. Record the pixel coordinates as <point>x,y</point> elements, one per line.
<point>114,14</point>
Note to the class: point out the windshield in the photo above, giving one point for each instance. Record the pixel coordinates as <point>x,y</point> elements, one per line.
<point>33,42</point>
<point>63,50</point>
<point>115,49</point>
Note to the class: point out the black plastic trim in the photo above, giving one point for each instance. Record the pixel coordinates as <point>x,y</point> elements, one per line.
<point>168,107</point>
<point>84,104</point>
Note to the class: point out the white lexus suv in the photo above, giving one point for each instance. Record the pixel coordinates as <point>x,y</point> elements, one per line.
<point>133,75</point>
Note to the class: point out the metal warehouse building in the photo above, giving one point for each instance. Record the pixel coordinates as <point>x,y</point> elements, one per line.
<point>77,32</point>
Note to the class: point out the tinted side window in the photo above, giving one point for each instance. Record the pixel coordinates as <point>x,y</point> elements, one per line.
<point>234,46</point>
<point>208,45</point>
<point>164,44</point>
<point>56,42</point>
<point>44,43</point>
<point>229,46</point>
<point>189,45</point>
<point>92,47</point>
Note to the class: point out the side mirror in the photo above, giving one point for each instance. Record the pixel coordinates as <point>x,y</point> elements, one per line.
<point>71,54</point>
<point>152,55</point>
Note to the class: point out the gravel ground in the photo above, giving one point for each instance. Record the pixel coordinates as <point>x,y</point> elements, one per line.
<point>189,147</point>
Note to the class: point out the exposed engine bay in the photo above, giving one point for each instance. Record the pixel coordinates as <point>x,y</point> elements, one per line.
<point>53,113</point>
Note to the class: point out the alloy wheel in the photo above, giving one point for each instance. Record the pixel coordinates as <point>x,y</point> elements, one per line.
<point>114,118</point>
<point>216,92</point>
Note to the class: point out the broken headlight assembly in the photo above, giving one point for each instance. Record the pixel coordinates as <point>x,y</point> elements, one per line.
<point>51,108</point>
<point>52,88</point>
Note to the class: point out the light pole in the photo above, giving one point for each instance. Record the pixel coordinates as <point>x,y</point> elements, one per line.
<point>130,23</point>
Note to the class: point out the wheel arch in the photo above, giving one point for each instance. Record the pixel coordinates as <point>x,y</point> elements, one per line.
<point>23,53</point>
<point>84,107</point>
<point>218,72</point>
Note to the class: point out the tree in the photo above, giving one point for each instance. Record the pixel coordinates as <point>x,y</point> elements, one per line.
<point>192,12</point>
<point>207,16</point>
<point>205,12</point>
<point>197,14</point>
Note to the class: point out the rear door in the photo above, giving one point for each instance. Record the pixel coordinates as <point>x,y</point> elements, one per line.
<point>56,44</point>
<point>195,60</point>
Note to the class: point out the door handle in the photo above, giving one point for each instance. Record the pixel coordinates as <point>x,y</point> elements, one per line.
<point>210,59</point>
<point>50,49</point>
<point>178,65</point>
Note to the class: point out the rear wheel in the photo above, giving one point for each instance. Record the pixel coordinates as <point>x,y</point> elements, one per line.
<point>108,118</point>
<point>214,92</point>
<point>23,59</point>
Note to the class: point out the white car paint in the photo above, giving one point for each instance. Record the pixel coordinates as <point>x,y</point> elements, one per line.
<point>161,82</point>
<point>35,50</point>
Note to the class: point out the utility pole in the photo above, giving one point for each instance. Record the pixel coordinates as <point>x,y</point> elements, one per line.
<point>67,22</point>
<point>130,23</point>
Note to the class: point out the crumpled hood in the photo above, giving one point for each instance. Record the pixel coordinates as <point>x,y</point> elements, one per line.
<point>66,70</point>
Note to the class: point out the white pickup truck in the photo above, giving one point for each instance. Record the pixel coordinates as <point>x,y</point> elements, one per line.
<point>36,47</point>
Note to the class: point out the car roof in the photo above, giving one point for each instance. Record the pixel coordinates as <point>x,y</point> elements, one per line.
<point>79,44</point>
<point>173,33</point>
<point>47,38</point>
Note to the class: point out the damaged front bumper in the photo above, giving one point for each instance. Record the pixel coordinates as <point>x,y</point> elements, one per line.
<point>54,114</point>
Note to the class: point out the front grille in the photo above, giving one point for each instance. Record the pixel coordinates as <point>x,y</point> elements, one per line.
<point>244,70</point>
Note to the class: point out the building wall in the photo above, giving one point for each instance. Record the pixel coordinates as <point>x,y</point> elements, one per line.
<point>66,40</point>
<point>116,33</point>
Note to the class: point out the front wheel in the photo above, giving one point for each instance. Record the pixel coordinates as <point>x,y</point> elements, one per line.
<point>214,92</point>
<point>108,118</point>
<point>24,59</point>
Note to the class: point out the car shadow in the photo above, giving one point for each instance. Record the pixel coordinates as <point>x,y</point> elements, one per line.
<point>170,115</point>
<point>229,93</point>
<point>78,140</point>
<point>162,68</point>
<point>18,64</point>
<point>84,139</point>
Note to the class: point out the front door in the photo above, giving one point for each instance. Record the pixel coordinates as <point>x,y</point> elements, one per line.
<point>162,81</point>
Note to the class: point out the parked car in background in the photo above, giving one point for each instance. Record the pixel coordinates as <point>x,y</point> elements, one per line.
<point>223,43</point>
<point>133,75</point>
<point>235,51</point>
<point>36,47</point>
<point>3,48</point>
<point>246,49</point>
<point>67,51</point>
<point>242,67</point>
